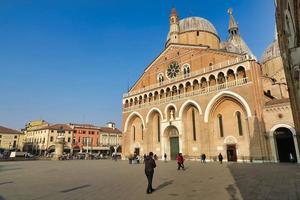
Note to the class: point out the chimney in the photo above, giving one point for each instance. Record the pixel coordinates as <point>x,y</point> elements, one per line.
<point>111,125</point>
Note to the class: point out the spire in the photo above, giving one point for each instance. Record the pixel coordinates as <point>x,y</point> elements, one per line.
<point>233,27</point>
<point>174,27</point>
<point>173,12</point>
<point>174,16</point>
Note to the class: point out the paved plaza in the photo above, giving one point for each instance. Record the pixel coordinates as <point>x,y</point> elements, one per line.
<point>106,179</point>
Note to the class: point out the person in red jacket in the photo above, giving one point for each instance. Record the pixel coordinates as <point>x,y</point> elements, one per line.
<point>180,161</point>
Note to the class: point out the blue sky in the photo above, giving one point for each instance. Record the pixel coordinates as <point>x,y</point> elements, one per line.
<point>71,61</point>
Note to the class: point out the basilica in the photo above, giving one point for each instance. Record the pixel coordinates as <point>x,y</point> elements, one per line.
<point>201,95</point>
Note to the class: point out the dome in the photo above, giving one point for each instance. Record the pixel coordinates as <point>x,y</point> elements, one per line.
<point>196,24</point>
<point>271,52</point>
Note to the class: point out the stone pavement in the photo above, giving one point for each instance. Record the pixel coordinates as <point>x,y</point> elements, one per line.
<point>106,179</point>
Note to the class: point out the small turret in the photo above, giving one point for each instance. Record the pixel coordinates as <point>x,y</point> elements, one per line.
<point>233,28</point>
<point>174,26</point>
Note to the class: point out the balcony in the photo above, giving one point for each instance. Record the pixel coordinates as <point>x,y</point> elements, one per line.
<point>185,95</point>
<point>191,75</point>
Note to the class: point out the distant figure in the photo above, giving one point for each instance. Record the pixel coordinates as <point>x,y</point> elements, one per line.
<point>155,157</point>
<point>149,171</point>
<point>144,158</point>
<point>165,156</point>
<point>220,158</point>
<point>204,158</point>
<point>180,161</point>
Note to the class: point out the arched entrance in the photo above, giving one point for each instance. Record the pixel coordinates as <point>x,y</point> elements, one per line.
<point>172,135</point>
<point>285,145</point>
<point>231,152</point>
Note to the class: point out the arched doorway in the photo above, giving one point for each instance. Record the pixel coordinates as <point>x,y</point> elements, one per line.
<point>285,145</point>
<point>173,137</point>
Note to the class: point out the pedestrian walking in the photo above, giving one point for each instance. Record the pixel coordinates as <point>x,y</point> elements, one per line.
<point>204,158</point>
<point>220,158</point>
<point>149,171</point>
<point>180,161</point>
<point>165,156</point>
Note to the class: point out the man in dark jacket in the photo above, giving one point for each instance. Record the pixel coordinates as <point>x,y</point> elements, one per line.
<point>149,171</point>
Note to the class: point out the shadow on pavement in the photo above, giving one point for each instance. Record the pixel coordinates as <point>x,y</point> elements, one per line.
<point>7,182</point>
<point>164,184</point>
<point>265,181</point>
<point>1,198</point>
<point>75,188</point>
<point>232,192</point>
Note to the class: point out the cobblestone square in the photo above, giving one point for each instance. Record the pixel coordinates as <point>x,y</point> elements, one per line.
<point>106,179</point>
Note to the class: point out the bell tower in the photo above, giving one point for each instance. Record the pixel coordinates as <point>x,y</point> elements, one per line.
<point>233,28</point>
<point>174,26</point>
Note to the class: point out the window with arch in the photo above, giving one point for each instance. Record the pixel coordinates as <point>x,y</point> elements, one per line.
<point>186,70</point>
<point>220,119</point>
<point>133,131</point>
<point>239,122</point>
<point>160,78</point>
<point>158,128</point>
<point>194,124</point>
<point>142,128</point>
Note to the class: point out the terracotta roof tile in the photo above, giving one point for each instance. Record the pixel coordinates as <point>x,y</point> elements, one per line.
<point>110,130</point>
<point>8,130</point>
<point>277,101</point>
<point>59,126</point>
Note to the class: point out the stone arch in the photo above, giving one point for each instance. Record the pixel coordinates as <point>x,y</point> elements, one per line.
<point>230,140</point>
<point>221,78</point>
<point>212,80</point>
<point>203,82</point>
<point>230,94</point>
<point>126,103</point>
<point>130,117</point>
<point>181,88</point>
<point>152,110</point>
<point>145,98</point>
<point>271,135</point>
<point>156,94</point>
<point>241,72</point>
<point>186,104</point>
<point>230,75</point>
<point>131,102</point>
<point>174,90</point>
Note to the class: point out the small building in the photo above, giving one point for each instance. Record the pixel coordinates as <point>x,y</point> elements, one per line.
<point>85,137</point>
<point>96,139</point>
<point>111,138</point>
<point>41,137</point>
<point>10,139</point>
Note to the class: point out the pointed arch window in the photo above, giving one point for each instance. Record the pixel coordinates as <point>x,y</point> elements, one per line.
<point>239,122</point>
<point>186,70</point>
<point>142,127</point>
<point>220,119</point>
<point>133,130</point>
<point>194,124</point>
<point>160,79</point>
<point>158,128</point>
